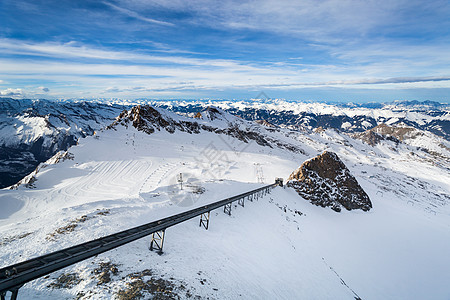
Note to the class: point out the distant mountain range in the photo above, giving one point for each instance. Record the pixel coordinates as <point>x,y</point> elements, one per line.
<point>429,116</point>
<point>32,131</point>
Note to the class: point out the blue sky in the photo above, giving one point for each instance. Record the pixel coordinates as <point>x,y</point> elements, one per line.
<point>335,50</point>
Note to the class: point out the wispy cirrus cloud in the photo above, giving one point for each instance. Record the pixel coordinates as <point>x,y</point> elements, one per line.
<point>328,21</point>
<point>135,15</point>
<point>374,81</point>
<point>73,50</point>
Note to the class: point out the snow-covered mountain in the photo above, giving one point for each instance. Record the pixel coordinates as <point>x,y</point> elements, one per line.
<point>427,116</point>
<point>280,247</point>
<point>32,131</point>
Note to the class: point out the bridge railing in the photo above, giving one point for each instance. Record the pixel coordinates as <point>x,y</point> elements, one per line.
<point>13,277</point>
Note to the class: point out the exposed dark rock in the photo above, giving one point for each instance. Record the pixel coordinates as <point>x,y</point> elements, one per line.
<point>8,240</point>
<point>104,272</point>
<point>148,119</point>
<point>326,181</point>
<point>384,132</point>
<point>65,281</point>
<point>149,286</point>
<point>74,224</point>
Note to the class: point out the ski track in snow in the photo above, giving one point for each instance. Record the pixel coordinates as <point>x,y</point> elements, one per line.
<point>106,178</point>
<point>153,180</point>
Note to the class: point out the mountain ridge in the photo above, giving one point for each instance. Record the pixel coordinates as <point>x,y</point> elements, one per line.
<point>33,130</point>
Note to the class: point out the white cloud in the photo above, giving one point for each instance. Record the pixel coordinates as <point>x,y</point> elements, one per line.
<point>73,51</point>
<point>145,80</point>
<point>11,92</point>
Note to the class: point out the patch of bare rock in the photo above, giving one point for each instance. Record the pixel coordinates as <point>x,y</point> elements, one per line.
<point>325,181</point>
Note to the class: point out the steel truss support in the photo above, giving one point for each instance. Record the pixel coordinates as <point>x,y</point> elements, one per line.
<point>227,208</point>
<point>14,293</point>
<point>241,201</point>
<point>250,197</point>
<point>204,220</point>
<point>157,241</point>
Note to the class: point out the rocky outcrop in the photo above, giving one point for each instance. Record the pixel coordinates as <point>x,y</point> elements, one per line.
<point>383,132</point>
<point>325,181</point>
<point>149,119</point>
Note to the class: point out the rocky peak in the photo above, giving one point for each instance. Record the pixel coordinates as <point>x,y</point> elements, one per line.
<point>400,131</point>
<point>326,181</point>
<point>220,117</point>
<point>382,132</point>
<point>147,119</point>
<point>213,113</point>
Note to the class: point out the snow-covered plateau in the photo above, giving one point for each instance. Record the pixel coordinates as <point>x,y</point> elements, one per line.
<point>279,247</point>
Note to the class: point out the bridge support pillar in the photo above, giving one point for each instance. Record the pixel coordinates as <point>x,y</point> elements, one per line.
<point>227,209</point>
<point>241,201</point>
<point>204,220</point>
<point>157,241</point>
<point>14,293</point>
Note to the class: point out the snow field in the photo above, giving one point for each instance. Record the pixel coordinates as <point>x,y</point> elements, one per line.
<point>123,178</point>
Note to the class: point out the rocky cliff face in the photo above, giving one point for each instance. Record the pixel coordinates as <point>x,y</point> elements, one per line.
<point>149,119</point>
<point>326,181</point>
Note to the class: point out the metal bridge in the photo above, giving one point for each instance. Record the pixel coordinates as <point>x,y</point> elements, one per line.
<point>13,277</point>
